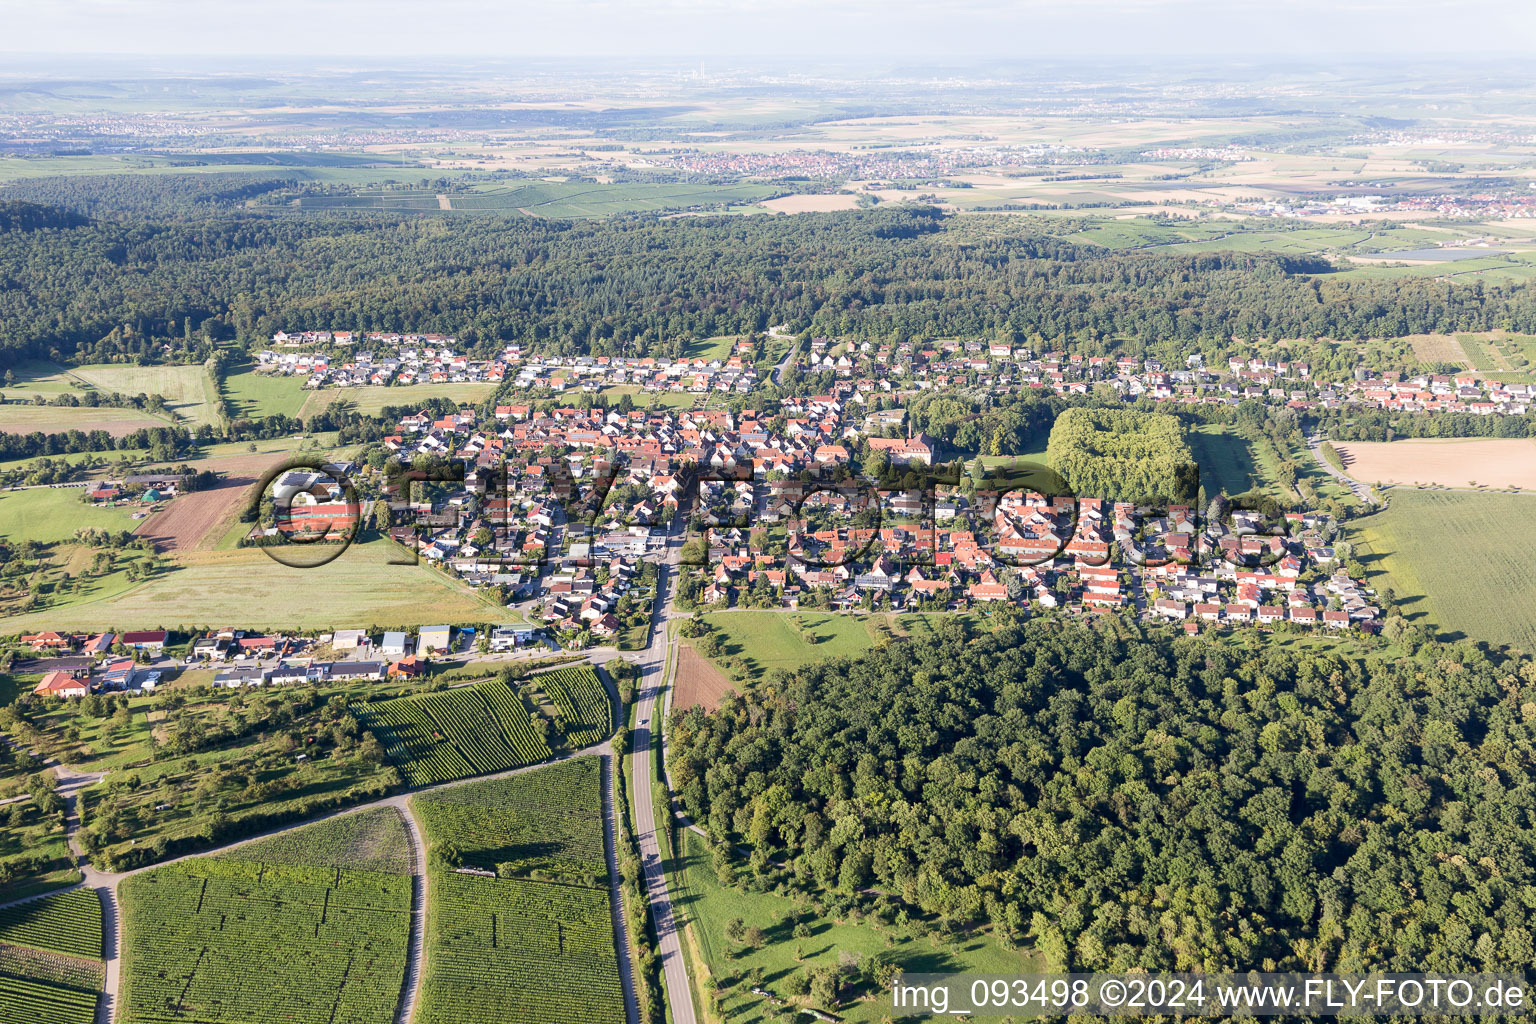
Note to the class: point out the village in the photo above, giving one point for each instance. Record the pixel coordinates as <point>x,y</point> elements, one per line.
<point>997,367</point>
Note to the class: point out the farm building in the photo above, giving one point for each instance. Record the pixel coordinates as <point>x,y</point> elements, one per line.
<point>432,638</point>
<point>349,639</point>
<point>393,645</point>
<point>146,640</point>
<point>61,684</point>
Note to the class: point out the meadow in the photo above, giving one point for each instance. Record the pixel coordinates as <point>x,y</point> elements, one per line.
<point>188,390</point>
<point>1456,561</point>
<point>547,198</point>
<point>755,643</point>
<point>796,939</point>
<point>362,586</point>
<point>51,419</point>
<point>223,941</point>
<point>263,394</point>
<point>517,948</point>
<point>48,515</point>
<point>374,400</point>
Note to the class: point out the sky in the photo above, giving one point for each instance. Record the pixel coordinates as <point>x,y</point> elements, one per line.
<point>359,30</point>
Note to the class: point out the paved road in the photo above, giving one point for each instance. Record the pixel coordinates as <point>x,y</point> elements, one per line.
<point>777,376</point>
<point>1361,491</point>
<point>105,883</point>
<point>650,707</point>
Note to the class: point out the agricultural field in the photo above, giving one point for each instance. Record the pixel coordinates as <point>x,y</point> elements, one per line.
<point>196,520</point>
<point>373,400</point>
<point>60,419</point>
<point>50,959</point>
<point>372,840</point>
<point>1456,561</point>
<point>67,922</point>
<point>222,941</point>
<point>188,390</point>
<point>49,515</point>
<point>1450,462</point>
<point>363,585</point>
<point>542,824</point>
<point>263,394</point>
<point>517,948</point>
<point>456,733</point>
<point>697,682</point>
<point>582,708</point>
<point>796,939</point>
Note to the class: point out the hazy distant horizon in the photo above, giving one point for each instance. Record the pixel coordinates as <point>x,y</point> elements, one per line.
<point>351,31</point>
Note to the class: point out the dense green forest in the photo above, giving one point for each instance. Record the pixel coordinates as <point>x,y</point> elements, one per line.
<point>645,285</point>
<point>1117,801</point>
<point>1123,455</point>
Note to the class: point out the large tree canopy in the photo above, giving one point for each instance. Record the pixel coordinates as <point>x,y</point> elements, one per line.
<point>1122,802</point>
<point>644,285</point>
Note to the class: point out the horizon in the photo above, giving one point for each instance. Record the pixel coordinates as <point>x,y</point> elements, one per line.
<point>843,29</point>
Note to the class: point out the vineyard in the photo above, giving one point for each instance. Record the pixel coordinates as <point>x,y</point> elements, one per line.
<point>455,733</point>
<point>218,941</point>
<point>50,959</point>
<point>372,840</point>
<point>519,949</point>
<point>585,715</point>
<point>68,922</point>
<point>545,823</point>
<point>32,1002</point>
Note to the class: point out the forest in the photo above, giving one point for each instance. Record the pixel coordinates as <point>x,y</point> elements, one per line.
<point>1123,455</point>
<point>643,285</point>
<point>1119,802</point>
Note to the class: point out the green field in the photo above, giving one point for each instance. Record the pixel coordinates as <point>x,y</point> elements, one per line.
<point>263,394</point>
<point>247,586</point>
<point>373,400</point>
<point>455,733</point>
<point>188,390</point>
<point>371,840</point>
<point>754,643</point>
<point>709,908</point>
<point>222,941</point>
<point>1231,463</point>
<point>1456,561</point>
<point>59,419</point>
<point>51,514</point>
<point>514,948</point>
<point>582,708</point>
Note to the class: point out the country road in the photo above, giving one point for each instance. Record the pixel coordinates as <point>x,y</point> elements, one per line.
<point>1360,490</point>
<point>650,707</point>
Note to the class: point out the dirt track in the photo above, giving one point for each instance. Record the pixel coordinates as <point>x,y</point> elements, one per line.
<point>187,522</point>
